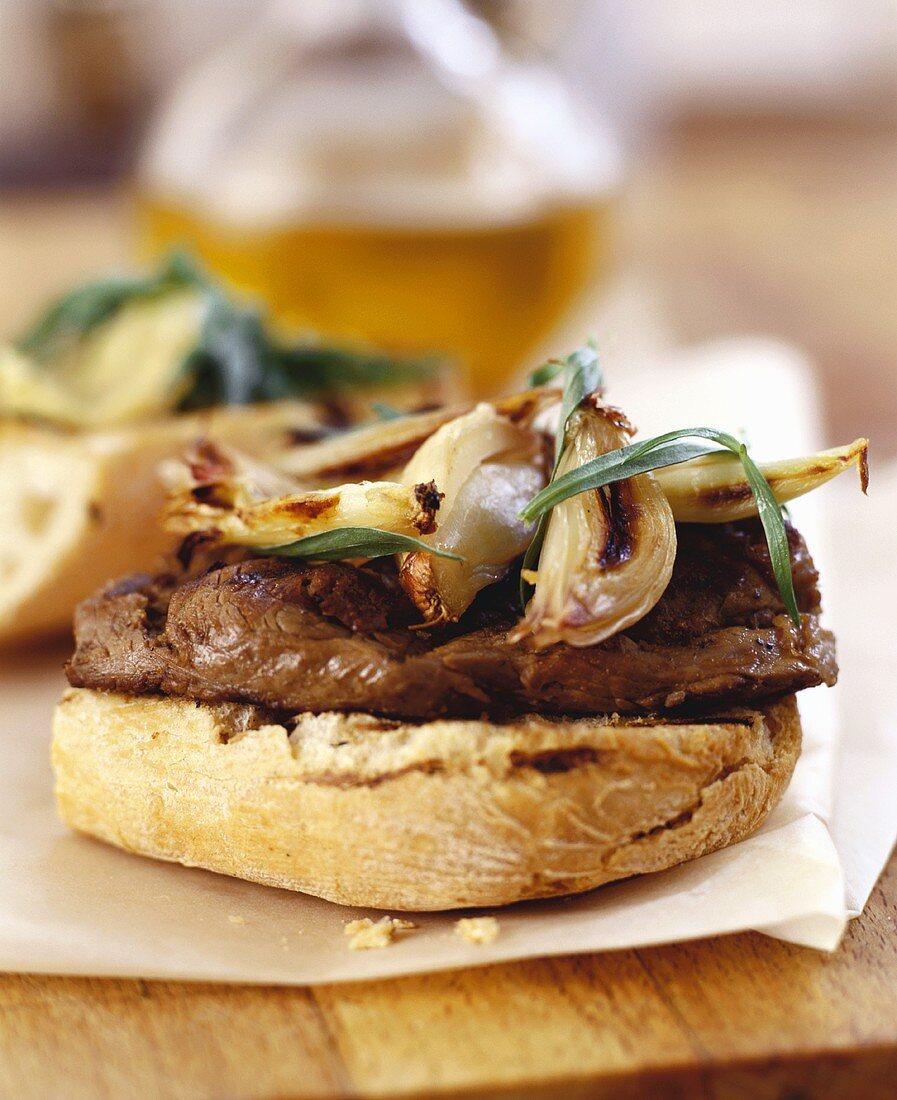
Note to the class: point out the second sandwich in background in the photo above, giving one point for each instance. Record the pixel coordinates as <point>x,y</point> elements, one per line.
<point>124,373</point>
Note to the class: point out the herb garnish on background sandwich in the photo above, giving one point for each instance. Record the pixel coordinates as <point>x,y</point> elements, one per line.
<point>123,373</point>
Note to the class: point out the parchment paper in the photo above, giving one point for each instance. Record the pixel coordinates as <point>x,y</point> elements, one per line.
<point>74,906</point>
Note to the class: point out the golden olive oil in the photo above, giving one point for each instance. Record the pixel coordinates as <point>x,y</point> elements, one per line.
<point>486,294</point>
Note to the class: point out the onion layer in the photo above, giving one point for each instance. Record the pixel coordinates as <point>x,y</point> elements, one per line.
<point>714,489</point>
<point>488,467</point>
<point>239,501</point>
<point>608,553</point>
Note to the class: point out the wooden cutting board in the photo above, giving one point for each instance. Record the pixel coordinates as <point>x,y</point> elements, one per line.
<point>740,1016</point>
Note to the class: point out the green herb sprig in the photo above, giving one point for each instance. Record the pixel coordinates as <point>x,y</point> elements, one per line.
<point>238,362</point>
<point>74,315</point>
<point>384,411</point>
<point>668,449</point>
<point>237,359</point>
<point>344,543</point>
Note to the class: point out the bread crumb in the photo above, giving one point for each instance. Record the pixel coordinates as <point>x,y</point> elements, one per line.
<point>477,930</point>
<point>234,919</point>
<point>366,933</point>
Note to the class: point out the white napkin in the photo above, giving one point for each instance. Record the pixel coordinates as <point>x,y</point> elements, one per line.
<point>71,905</point>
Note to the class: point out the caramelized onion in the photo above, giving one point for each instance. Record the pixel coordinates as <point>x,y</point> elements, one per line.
<point>240,501</point>
<point>488,467</point>
<point>714,488</point>
<point>382,449</point>
<point>608,553</point>
<point>372,451</point>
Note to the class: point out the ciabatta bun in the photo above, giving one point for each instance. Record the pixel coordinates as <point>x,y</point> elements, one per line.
<point>446,814</point>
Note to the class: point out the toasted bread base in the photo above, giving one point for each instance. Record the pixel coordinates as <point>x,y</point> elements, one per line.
<point>448,814</point>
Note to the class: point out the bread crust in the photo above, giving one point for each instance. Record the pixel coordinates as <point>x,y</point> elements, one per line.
<point>447,814</point>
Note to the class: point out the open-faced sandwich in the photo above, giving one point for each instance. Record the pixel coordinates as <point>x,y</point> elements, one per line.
<point>455,659</point>
<point>123,373</point>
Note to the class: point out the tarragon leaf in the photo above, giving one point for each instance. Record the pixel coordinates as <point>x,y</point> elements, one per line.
<point>582,376</point>
<point>238,358</point>
<point>345,543</point>
<point>669,450</point>
<point>75,314</point>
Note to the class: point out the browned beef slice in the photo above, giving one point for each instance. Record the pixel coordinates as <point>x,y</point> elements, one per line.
<point>331,637</point>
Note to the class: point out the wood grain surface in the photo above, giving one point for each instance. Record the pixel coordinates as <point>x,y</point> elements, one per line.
<point>786,227</point>
<point>743,1015</point>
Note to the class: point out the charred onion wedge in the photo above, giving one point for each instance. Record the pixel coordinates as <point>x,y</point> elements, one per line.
<point>487,467</point>
<point>715,489</point>
<point>247,503</point>
<point>372,451</point>
<point>608,553</point>
<point>382,449</point>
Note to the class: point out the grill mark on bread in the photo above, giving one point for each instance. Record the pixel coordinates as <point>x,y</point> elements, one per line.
<point>547,762</point>
<point>676,822</point>
<point>553,761</point>
<point>347,779</point>
<point>556,761</point>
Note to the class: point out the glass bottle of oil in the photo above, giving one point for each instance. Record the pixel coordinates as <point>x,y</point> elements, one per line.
<point>379,170</point>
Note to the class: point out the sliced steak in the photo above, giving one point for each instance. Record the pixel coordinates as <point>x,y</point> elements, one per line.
<point>333,637</point>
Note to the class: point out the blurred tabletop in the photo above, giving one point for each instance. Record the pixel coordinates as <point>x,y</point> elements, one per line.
<point>782,227</point>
